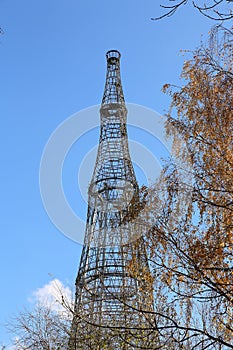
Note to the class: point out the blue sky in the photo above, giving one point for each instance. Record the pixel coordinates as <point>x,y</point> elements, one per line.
<point>53,65</point>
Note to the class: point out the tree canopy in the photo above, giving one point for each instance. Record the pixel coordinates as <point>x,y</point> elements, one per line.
<point>191,240</point>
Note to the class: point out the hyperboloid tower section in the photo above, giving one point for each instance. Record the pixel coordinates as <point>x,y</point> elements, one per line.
<point>113,284</point>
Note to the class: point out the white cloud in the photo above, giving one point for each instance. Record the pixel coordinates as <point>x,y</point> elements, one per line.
<point>53,295</point>
<point>10,347</point>
<point>15,346</point>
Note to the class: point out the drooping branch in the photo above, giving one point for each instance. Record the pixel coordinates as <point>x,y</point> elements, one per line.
<point>217,10</point>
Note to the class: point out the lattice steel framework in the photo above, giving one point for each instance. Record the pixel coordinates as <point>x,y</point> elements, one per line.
<point>109,293</point>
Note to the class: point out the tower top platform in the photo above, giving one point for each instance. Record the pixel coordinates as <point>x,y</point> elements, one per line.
<point>113,53</point>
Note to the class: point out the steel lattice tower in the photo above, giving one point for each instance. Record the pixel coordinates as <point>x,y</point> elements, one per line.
<point>109,293</point>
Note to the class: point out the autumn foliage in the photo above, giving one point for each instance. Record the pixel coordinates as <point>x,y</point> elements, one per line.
<point>190,242</point>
